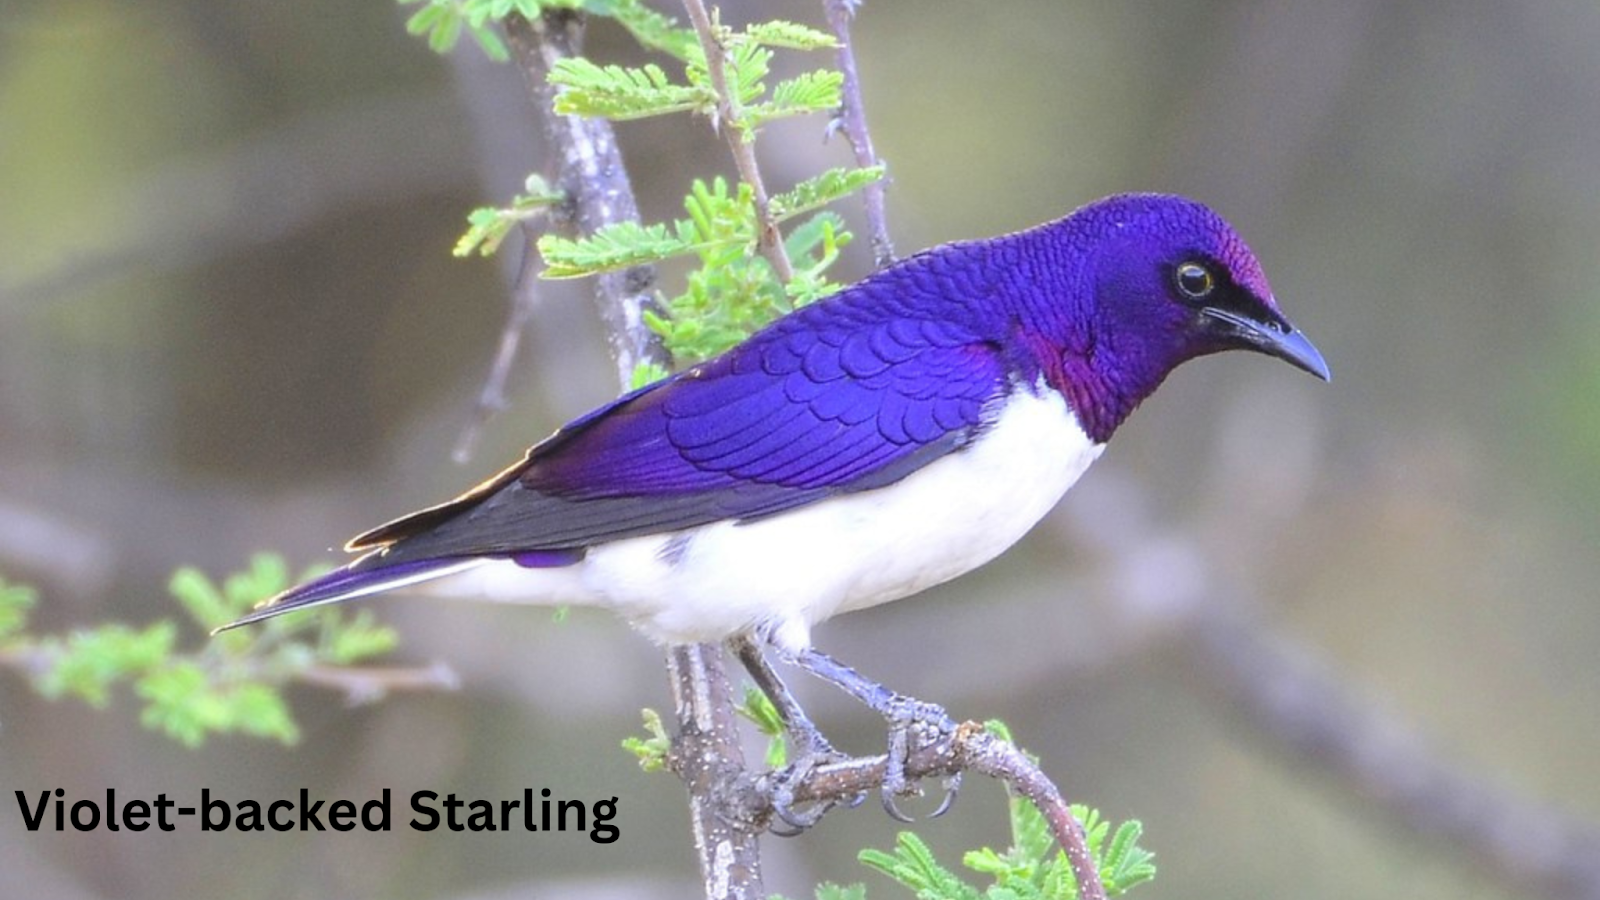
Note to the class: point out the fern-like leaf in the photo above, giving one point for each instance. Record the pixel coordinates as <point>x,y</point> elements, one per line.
<point>616,246</point>
<point>621,92</point>
<point>650,28</point>
<point>817,192</point>
<point>790,35</point>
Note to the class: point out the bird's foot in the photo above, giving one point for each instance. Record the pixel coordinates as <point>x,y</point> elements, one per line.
<point>914,724</point>
<point>795,816</point>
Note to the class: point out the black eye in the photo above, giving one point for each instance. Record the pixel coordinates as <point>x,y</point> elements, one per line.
<point>1194,280</point>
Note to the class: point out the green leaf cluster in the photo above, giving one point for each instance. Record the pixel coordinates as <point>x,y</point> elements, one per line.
<point>653,748</point>
<point>16,602</point>
<point>759,709</point>
<point>232,684</point>
<point>443,22</point>
<point>488,226</point>
<point>732,291</point>
<point>635,92</point>
<point>1034,868</point>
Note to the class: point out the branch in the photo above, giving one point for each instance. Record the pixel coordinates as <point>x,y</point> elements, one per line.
<point>492,396</point>
<point>369,684</point>
<point>852,119</point>
<point>967,747</point>
<point>1309,711</point>
<point>740,141</point>
<point>706,752</point>
<point>706,755</point>
<point>590,172</point>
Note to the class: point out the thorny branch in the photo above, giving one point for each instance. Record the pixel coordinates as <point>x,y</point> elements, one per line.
<point>740,142</point>
<point>591,174</point>
<point>852,120</point>
<point>492,396</point>
<point>968,748</point>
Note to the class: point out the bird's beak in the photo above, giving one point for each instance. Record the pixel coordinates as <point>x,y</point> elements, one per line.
<point>1272,338</point>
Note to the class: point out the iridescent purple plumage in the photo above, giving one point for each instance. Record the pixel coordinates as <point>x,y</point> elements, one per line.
<point>860,390</point>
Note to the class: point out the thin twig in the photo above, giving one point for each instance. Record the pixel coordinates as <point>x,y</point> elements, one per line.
<point>369,684</point>
<point>492,397</point>
<point>852,119</point>
<point>359,684</point>
<point>730,111</point>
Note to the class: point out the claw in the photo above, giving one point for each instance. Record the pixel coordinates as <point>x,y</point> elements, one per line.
<point>894,811</point>
<point>783,802</point>
<point>798,822</point>
<point>952,786</point>
<point>912,724</point>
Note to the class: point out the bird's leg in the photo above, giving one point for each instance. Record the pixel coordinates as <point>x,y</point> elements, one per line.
<point>912,723</point>
<point>811,748</point>
<point>805,735</point>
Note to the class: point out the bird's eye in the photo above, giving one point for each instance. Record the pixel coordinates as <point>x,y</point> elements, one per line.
<point>1194,280</point>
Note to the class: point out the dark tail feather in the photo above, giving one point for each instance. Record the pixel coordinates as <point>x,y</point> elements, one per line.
<point>362,577</point>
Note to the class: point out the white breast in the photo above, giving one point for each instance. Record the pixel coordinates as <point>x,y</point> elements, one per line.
<point>784,574</point>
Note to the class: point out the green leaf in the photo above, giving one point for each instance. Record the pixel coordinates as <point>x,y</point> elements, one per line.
<point>616,246</point>
<point>912,864</point>
<point>748,65</point>
<point>181,703</point>
<point>260,710</point>
<point>445,32</point>
<point>789,35</point>
<point>820,190</point>
<point>650,28</point>
<point>645,373</point>
<point>1030,833</point>
<point>653,748</point>
<point>203,601</point>
<point>268,574</point>
<point>16,600</point>
<point>358,639</point>
<point>830,891</point>
<point>489,40</point>
<point>621,92</point>
<point>1125,864</point>
<point>810,92</point>
<point>816,238</point>
<point>489,226</point>
<point>89,663</point>
<point>759,709</point>
<point>813,248</point>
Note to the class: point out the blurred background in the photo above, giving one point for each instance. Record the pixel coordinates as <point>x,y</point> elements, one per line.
<point>1325,641</point>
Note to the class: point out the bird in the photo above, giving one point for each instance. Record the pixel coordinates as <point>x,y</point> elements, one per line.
<point>889,437</point>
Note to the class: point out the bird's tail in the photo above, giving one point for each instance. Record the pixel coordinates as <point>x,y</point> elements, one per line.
<point>358,579</point>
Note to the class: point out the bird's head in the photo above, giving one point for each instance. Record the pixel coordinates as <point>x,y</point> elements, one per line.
<point>1162,280</point>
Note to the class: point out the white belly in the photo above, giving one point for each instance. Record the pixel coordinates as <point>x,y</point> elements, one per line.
<point>784,574</point>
